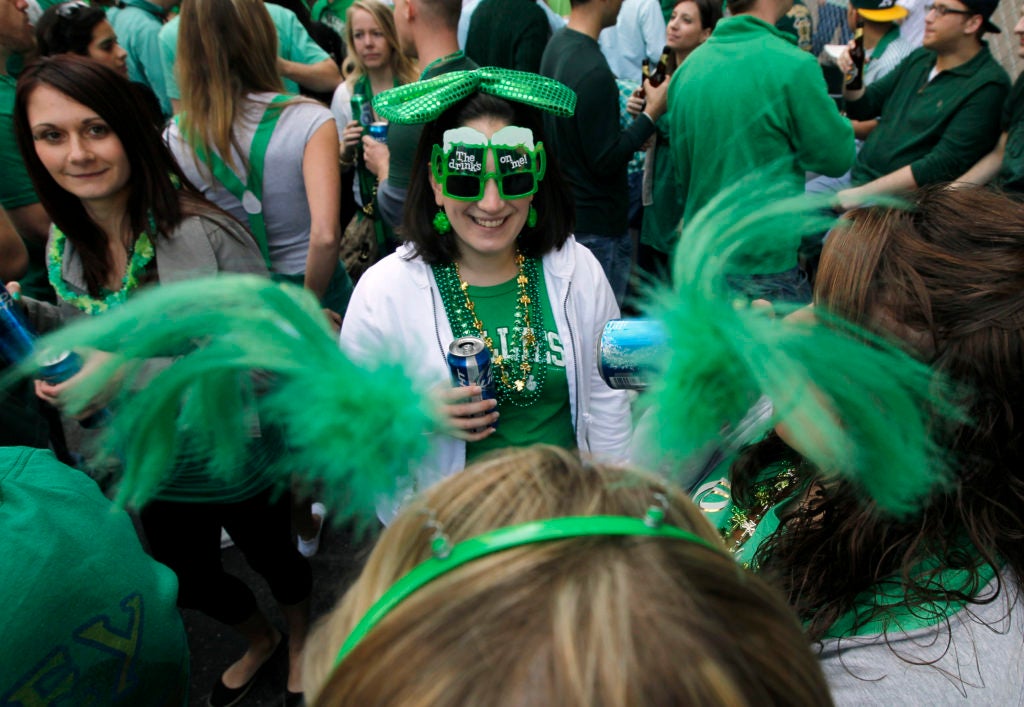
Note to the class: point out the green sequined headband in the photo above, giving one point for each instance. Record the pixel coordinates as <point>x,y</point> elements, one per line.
<point>424,101</point>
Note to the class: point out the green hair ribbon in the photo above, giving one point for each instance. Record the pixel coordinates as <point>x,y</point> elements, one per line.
<point>424,101</point>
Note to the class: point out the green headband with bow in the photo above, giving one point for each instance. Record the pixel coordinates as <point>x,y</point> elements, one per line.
<point>424,101</point>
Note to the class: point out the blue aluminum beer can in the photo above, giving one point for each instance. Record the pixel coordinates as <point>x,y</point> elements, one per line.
<point>16,338</point>
<point>469,362</point>
<point>379,131</point>
<point>59,368</point>
<point>629,351</point>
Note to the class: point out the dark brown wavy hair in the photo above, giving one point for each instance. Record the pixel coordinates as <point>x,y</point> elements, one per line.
<point>946,279</point>
<point>553,200</point>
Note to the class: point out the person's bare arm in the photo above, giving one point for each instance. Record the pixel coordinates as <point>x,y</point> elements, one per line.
<point>13,255</point>
<point>323,193</point>
<point>322,76</point>
<point>32,222</point>
<point>985,169</point>
<point>898,182</point>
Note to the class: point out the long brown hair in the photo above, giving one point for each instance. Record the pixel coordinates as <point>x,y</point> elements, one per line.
<point>946,279</point>
<point>582,621</point>
<point>226,49</point>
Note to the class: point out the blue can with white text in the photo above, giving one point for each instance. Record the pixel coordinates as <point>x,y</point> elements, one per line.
<point>629,351</point>
<point>469,362</point>
<point>379,131</point>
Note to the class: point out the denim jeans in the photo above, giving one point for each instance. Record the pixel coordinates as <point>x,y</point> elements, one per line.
<point>615,253</point>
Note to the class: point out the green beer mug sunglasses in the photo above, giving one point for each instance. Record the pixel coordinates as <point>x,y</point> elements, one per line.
<point>459,164</point>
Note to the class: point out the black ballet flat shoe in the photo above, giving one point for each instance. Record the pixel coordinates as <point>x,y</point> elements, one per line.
<point>224,696</point>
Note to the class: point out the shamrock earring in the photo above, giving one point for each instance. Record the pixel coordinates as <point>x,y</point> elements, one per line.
<point>441,223</point>
<point>531,217</point>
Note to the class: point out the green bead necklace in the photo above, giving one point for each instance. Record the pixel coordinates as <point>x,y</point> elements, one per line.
<point>517,384</point>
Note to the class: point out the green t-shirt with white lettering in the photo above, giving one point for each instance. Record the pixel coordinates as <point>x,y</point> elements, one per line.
<point>549,419</point>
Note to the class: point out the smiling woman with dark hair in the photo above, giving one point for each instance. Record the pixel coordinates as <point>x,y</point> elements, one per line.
<point>125,218</point>
<point>491,255</point>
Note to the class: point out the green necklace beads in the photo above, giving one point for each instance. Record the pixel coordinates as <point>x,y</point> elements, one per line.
<point>521,374</point>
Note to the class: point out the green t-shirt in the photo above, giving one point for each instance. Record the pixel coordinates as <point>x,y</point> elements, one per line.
<point>549,419</point>
<point>293,44</point>
<point>88,617</point>
<point>15,187</point>
<point>138,25</point>
<point>1011,174</point>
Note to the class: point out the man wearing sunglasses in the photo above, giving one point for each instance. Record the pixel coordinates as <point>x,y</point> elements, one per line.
<point>938,111</point>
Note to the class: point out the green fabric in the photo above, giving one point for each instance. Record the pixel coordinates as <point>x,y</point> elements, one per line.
<point>293,44</point>
<point>254,177</point>
<point>661,218</point>
<point>1011,173</point>
<point>403,139</point>
<point>16,186</point>
<point>16,190</point>
<point>88,617</point>
<point>750,106</point>
<point>339,289</point>
<point>939,127</point>
<point>714,498</point>
<point>524,32</point>
<point>367,180</point>
<point>591,148</point>
<point>138,28</point>
<point>562,8</point>
<point>425,100</point>
<point>549,420</point>
<point>798,22</point>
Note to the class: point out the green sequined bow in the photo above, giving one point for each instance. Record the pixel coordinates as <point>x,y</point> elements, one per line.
<point>424,101</point>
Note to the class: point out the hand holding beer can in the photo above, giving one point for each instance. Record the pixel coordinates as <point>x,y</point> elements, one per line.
<point>469,362</point>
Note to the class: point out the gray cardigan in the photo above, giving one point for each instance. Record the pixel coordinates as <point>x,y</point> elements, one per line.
<point>201,246</point>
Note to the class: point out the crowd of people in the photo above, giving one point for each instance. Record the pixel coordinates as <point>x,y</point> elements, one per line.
<point>784,187</point>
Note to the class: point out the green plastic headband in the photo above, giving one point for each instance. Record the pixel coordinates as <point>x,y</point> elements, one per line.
<point>424,101</point>
<point>505,539</point>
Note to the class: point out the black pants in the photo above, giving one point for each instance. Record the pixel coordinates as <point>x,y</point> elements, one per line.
<point>186,538</point>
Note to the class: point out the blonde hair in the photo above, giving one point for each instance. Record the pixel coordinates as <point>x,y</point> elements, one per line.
<point>226,49</point>
<point>583,621</point>
<point>401,66</point>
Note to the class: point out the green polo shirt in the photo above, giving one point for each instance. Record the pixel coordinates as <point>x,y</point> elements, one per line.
<point>748,106</point>
<point>293,44</point>
<point>939,127</point>
<point>1011,174</point>
<point>137,25</point>
<point>403,139</point>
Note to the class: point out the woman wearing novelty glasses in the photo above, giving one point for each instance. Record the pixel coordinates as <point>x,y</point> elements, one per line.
<point>490,254</point>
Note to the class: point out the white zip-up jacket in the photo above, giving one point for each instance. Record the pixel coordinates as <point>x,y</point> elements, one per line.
<point>396,308</point>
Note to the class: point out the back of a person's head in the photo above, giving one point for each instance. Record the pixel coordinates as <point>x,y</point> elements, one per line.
<point>739,7</point>
<point>442,13</point>
<point>945,276</point>
<point>605,620</point>
<point>225,48</point>
<point>67,27</point>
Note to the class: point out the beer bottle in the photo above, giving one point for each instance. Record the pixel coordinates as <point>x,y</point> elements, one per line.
<point>855,77</point>
<point>645,75</point>
<point>661,69</point>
